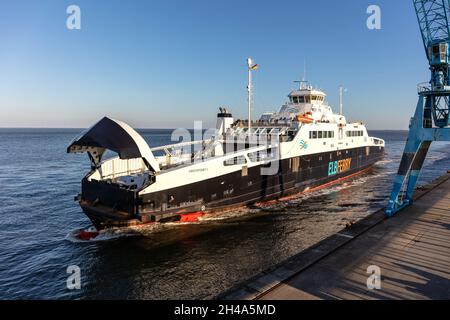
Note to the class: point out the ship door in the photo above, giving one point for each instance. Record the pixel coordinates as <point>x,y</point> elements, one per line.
<point>341,133</point>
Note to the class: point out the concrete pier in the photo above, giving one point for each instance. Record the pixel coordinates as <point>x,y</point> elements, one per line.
<point>411,250</point>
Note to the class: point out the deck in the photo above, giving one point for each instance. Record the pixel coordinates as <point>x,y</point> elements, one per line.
<point>412,251</point>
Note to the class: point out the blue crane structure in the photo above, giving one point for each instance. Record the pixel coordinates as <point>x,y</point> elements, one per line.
<point>431,120</point>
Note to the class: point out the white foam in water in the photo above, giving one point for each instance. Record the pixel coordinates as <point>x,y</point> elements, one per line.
<point>383,162</point>
<point>103,235</point>
<point>152,228</point>
<point>241,212</point>
<point>322,192</point>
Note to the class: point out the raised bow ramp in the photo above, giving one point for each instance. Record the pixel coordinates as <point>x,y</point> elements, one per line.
<point>117,136</point>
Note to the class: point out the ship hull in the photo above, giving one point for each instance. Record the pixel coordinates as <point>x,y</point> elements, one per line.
<point>108,206</point>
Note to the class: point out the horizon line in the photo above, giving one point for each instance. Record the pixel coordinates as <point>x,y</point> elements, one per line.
<point>81,128</point>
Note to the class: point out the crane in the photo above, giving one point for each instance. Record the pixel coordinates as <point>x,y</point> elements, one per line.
<point>431,120</point>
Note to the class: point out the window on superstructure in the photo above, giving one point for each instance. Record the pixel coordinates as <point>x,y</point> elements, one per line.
<point>308,99</point>
<point>235,161</point>
<point>320,134</point>
<point>295,99</point>
<point>314,134</point>
<point>301,99</point>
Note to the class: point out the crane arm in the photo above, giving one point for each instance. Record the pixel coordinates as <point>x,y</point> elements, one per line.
<point>433,16</point>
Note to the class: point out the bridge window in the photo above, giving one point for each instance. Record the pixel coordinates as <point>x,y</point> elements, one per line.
<point>301,99</point>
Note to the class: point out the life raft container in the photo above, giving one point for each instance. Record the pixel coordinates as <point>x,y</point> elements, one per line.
<point>305,119</point>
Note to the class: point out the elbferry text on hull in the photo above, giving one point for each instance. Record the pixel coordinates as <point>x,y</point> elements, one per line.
<point>303,146</point>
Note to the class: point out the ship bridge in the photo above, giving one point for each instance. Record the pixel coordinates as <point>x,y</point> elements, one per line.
<point>305,100</point>
<point>307,95</point>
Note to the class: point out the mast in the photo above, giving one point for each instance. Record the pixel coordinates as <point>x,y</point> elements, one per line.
<point>341,93</point>
<point>251,67</point>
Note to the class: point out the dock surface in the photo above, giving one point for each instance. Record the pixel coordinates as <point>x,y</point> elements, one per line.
<point>411,250</point>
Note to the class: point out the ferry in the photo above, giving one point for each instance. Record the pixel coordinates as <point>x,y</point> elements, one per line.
<point>302,147</point>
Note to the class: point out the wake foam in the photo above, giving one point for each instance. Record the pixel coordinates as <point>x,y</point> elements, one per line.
<point>103,235</point>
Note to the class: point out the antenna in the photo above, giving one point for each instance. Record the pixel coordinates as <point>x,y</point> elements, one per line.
<point>304,70</point>
<point>341,93</point>
<point>303,82</point>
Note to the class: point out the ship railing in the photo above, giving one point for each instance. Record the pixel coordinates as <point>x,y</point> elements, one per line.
<point>168,149</point>
<point>184,152</point>
<point>243,131</point>
<point>260,135</point>
<point>424,87</point>
<point>116,167</point>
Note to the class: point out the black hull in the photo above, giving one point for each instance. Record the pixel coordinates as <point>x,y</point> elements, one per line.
<point>117,208</point>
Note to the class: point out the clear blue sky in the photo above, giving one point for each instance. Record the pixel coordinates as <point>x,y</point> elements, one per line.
<point>164,64</point>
